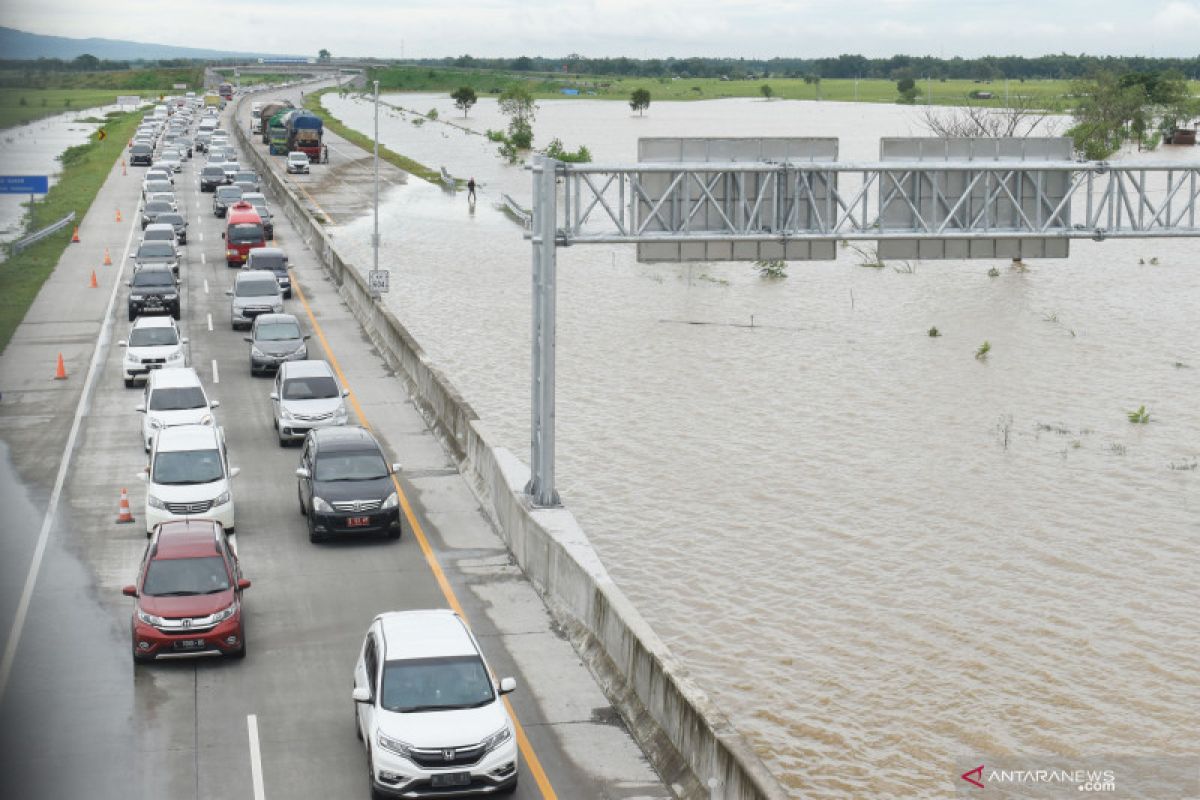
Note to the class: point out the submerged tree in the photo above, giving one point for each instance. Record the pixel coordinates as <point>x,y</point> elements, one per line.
<point>639,101</point>
<point>464,97</point>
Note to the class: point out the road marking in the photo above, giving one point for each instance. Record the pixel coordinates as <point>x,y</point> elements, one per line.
<point>202,237</point>
<point>210,322</point>
<point>532,763</point>
<point>216,375</point>
<point>39,551</point>
<point>206,285</point>
<point>202,259</point>
<point>255,757</point>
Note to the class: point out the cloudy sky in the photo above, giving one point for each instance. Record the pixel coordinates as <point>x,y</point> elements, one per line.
<point>637,28</point>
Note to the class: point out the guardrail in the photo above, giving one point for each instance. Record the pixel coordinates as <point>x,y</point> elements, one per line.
<point>695,748</point>
<point>34,238</point>
<point>522,216</point>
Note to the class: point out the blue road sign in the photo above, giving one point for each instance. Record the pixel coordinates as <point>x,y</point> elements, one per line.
<point>24,184</point>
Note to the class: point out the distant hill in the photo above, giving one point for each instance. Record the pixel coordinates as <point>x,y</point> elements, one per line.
<point>15,44</point>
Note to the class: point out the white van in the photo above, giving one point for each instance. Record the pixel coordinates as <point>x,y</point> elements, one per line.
<point>189,476</point>
<point>174,396</point>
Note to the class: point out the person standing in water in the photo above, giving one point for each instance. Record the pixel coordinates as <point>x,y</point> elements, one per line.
<point>471,190</point>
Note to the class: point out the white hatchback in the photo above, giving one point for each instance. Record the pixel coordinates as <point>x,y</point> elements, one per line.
<point>431,718</point>
<point>189,476</point>
<point>153,343</point>
<point>174,396</point>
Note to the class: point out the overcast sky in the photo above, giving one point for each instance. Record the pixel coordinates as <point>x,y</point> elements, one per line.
<point>636,28</point>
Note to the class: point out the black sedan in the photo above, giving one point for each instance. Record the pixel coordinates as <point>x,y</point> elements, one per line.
<point>346,486</point>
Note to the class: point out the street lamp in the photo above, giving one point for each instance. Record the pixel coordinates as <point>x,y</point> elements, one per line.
<point>375,237</point>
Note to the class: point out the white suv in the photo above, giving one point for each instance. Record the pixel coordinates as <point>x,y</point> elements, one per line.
<point>174,396</point>
<point>429,714</point>
<point>189,476</point>
<point>153,343</point>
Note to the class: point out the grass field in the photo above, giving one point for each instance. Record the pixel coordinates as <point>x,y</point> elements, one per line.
<point>85,169</point>
<point>1049,94</point>
<point>254,79</point>
<point>40,103</point>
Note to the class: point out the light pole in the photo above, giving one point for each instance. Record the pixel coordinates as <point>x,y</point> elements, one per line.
<point>375,237</point>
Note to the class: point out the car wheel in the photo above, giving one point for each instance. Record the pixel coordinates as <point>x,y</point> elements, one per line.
<point>303,510</point>
<point>132,315</point>
<point>357,727</point>
<point>510,789</point>
<point>175,313</point>
<point>374,792</point>
<point>313,536</point>
<point>138,658</point>
<point>129,384</point>
<point>395,534</point>
<point>240,653</point>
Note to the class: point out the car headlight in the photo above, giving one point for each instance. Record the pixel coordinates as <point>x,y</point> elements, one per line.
<point>170,296</point>
<point>392,501</point>
<point>321,505</point>
<point>395,745</point>
<point>225,613</point>
<point>137,297</point>
<point>207,419</point>
<point>223,498</point>
<point>301,351</point>
<point>277,306</point>
<point>176,356</point>
<point>340,413</point>
<point>254,351</point>
<point>496,739</point>
<point>284,413</point>
<point>154,502</point>
<point>156,424</point>
<point>149,619</point>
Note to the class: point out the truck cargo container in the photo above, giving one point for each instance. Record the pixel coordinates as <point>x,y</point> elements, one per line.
<point>269,109</point>
<point>304,132</point>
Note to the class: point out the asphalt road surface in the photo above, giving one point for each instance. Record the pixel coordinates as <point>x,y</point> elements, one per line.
<point>78,719</point>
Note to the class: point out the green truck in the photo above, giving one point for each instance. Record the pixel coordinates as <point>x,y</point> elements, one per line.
<point>277,133</point>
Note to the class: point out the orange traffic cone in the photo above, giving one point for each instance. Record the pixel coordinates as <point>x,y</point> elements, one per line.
<point>107,257</point>
<point>75,236</point>
<point>123,172</point>
<point>93,284</point>
<point>60,374</point>
<point>124,515</point>
<point>118,215</point>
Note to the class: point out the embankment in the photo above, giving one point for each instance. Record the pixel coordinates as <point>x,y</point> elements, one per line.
<point>685,736</point>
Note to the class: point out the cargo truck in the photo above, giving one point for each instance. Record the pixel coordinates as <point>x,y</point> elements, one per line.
<point>276,134</point>
<point>267,112</point>
<point>304,131</point>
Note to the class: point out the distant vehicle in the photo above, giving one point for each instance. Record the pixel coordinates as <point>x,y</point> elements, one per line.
<point>431,717</point>
<point>176,221</point>
<point>275,339</point>
<point>226,91</point>
<point>153,289</point>
<point>154,343</point>
<point>151,210</point>
<point>141,155</point>
<point>211,177</point>
<point>173,396</point>
<point>306,396</point>
<point>223,198</point>
<point>157,253</point>
<point>247,176</point>
<point>243,233</point>
<point>160,232</point>
<point>304,132</point>
<point>253,294</point>
<point>297,163</point>
<point>189,594</point>
<point>275,261</point>
<point>259,201</point>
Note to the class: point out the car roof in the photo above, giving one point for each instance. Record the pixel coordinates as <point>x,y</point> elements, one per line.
<point>307,369</point>
<point>159,226</point>
<point>256,276</point>
<point>173,377</point>
<point>187,538</point>
<point>153,322</point>
<point>424,633</point>
<point>343,438</point>
<point>270,318</point>
<point>154,267</point>
<point>273,252</point>
<point>186,437</point>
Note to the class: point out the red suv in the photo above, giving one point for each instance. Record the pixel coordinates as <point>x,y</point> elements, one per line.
<point>189,594</point>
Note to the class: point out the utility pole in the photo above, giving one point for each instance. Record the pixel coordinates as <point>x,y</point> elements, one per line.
<point>375,238</point>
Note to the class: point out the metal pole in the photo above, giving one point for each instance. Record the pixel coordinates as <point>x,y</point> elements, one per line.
<point>375,237</point>
<point>541,430</point>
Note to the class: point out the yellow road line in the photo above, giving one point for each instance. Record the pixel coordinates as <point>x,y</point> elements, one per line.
<point>532,763</point>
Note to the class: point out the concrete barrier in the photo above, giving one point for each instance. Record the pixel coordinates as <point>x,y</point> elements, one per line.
<point>690,742</point>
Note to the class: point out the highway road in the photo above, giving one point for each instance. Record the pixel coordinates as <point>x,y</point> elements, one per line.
<point>78,719</point>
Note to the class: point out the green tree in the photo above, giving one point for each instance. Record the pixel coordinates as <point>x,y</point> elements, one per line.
<point>1108,112</point>
<point>86,63</point>
<point>323,55</point>
<point>464,97</point>
<point>907,87</point>
<point>766,90</point>
<point>639,101</point>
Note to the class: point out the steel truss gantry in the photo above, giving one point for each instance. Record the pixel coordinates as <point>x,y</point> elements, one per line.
<point>801,209</point>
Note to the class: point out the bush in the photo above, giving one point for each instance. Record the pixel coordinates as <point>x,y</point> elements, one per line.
<point>556,151</point>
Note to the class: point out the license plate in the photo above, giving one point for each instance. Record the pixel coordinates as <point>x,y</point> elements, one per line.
<point>358,522</point>
<point>452,779</point>
<point>189,644</point>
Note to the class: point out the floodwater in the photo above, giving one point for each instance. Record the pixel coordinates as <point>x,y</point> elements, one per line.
<point>881,555</point>
<point>33,149</point>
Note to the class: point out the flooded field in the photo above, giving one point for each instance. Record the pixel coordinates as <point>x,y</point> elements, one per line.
<point>33,149</point>
<point>881,554</point>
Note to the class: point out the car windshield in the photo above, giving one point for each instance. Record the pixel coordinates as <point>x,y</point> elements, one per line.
<point>257,288</point>
<point>158,205</point>
<point>347,466</point>
<point>185,576</point>
<point>148,279</point>
<point>277,331</point>
<point>245,233</point>
<point>228,192</point>
<point>171,219</point>
<point>141,149</point>
<point>187,467</point>
<point>298,159</point>
<point>435,684</point>
<point>213,172</point>
<point>246,176</point>
<point>157,249</point>
<point>177,398</point>
<point>317,387</point>
<point>152,337</point>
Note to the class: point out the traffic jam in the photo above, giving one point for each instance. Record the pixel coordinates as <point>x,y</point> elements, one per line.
<point>432,717</point>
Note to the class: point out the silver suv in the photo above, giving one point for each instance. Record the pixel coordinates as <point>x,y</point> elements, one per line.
<point>253,293</point>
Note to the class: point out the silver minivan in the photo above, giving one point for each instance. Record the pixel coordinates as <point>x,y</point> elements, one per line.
<point>306,395</point>
<point>253,293</point>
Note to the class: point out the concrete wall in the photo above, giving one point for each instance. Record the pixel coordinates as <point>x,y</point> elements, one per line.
<point>686,737</point>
